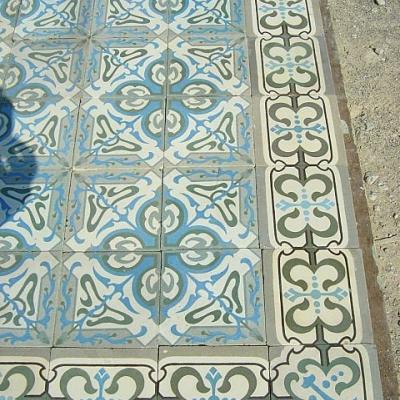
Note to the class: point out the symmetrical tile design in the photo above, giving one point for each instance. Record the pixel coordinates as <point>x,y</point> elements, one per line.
<point>173,173</point>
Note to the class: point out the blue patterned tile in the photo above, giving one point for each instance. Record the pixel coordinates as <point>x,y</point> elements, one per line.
<point>206,208</point>
<point>45,68</point>
<point>208,66</point>
<point>114,211</point>
<point>54,18</point>
<point>108,300</point>
<point>37,132</point>
<point>207,16</point>
<point>120,132</point>
<point>8,16</point>
<point>129,17</point>
<point>209,131</point>
<point>212,297</point>
<point>32,209</point>
<point>130,67</point>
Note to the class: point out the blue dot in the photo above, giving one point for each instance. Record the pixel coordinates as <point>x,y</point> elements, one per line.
<point>334,378</point>
<point>317,304</point>
<point>315,285</point>
<point>326,384</point>
<point>341,373</point>
<point>314,278</point>
<point>306,212</point>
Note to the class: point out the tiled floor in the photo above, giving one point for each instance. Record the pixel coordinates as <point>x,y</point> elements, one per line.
<point>173,175</point>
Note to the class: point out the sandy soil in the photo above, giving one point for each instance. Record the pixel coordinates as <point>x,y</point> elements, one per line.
<point>367,38</point>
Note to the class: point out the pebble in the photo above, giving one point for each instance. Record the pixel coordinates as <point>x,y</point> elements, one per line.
<point>380,2</point>
<point>370,178</point>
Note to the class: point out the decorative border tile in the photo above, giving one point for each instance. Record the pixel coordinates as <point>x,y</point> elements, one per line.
<point>212,297</point>
<point>331,372</point>
<point>213,372</point>
<point>120,132</point>
<point>109,300</point>
<point>96,373</point>
<point>316,296</point>
<point>306,207</point>
<point>114,211</point>
<point>209,208</point>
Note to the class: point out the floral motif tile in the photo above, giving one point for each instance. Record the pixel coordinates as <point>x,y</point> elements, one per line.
<point>120,132</point>
<point>111,374</point>
<point>288,66</point>
<point>114,211</point>
<point>208,66</point>
<point>108,300</point>
<point>32,210</point>
<point>209,131</point>
<point>23,373</point>
<point>209,208</point>
<point>212,297</point>
<point>45,68</point>
<point>129,17</point>
<point>324,372</point>
<point>38,132</point>
<point>207,16</point>
<point>220,373</point>
<point>28,293</point>
<point>297,130</point>
<point>313,296</point>
<point>279,17</point>
<point>129,67</point>
<point>309,206</point>
<point>54,18</point>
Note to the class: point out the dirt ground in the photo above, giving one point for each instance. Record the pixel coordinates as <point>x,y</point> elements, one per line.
<point>367,36</point>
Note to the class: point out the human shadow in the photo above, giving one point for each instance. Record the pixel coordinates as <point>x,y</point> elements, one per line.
<point>18,166</point>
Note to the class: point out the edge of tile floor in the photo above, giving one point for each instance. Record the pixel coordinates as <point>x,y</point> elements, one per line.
<point>387,368</point>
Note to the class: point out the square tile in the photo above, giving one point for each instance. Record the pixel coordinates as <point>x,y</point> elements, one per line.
<point>54,18</point>
<point>212,297</point>
<point>32,209</point>
<point>209,131</point>
<point>28,293</point>
<point>301,129</point>
<point>129,67</point>
<point>213,372</point>
<point>306,206</point>
<point>325,372</point>
<point>287,66</point>
<point>209,208</point>
<point>114,211</point>
<point>45,68</point>
<point>208,66</point>
<point>8,17</point>
<point>316,296</point>
<point>207,16</point>
<point>117,374</point>
<point>38,132</point>
<point>109,300</point>
<point>23,372</point>
<point>120,132</point>
<point>129,17</point>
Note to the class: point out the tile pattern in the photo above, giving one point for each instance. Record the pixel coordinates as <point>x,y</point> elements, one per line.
<point>173,173</point>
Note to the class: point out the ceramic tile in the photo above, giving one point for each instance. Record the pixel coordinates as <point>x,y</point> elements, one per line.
<point>129,67</point>
<point>129,17</point>
<point>121,132</point>
<point>214,372</point>
<point>306,206</point>
<point>23,373</point>
<point>207,16</point>
<point>54,18</point>
<point>212,297</point>
<point>114,211</point>
<point>209,208</point>
<point>28,292</point>
<point>32,210</point>
<point>316,296</point>
<point>208,66</point>
<point>45,68</point>
<point>116,374</point>
<point>108,300</point>
<point>295,130</point>
<point>325,372</point>
<point>39,132</point>
<point>209,131</point>
<point>8,17</point>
